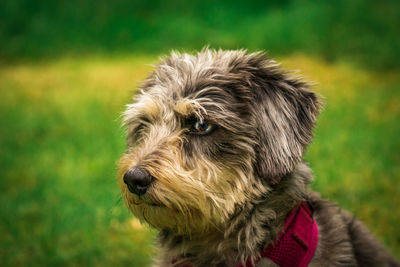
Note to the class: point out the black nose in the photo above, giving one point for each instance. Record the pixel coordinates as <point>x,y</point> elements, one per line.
<point>138,180</point>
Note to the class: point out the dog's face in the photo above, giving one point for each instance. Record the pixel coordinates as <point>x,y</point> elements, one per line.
<point>209,133</point>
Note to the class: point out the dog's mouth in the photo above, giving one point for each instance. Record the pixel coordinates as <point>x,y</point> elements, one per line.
<point>143,200</point>
<point>153,204</point>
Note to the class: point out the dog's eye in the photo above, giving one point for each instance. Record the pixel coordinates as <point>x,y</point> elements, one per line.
<point>202,127</point>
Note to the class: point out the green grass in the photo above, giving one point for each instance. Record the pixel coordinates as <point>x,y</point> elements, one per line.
<point>364,31</point>
<point>60,141</point>
<point>61,138</point>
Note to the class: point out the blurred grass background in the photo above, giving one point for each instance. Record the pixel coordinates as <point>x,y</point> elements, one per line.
<point>67,68</point>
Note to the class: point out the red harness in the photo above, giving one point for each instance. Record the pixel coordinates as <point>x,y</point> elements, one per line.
<point>295,245</point>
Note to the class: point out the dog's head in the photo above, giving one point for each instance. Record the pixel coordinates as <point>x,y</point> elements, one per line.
<point>208,133</point>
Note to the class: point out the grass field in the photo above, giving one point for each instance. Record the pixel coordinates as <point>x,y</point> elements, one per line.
<point>61,138</point>
<point>362,31</point>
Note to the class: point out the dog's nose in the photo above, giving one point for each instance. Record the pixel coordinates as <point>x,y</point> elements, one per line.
<point>138,180</point>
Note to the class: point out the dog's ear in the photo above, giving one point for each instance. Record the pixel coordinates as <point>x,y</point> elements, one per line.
<point>284,112</point>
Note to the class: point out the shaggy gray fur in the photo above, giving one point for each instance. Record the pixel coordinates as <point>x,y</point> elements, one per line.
<point>263,119</point>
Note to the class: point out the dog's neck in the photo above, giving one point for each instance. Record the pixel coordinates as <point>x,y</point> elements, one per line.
<point>254,226</point>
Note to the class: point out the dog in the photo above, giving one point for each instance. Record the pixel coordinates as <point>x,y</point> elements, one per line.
<point>214,162</point>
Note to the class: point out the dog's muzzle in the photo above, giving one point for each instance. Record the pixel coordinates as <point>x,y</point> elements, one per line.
<point>138,180</point>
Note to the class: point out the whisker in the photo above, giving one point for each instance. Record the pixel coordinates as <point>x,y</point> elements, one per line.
<point>118,200</point>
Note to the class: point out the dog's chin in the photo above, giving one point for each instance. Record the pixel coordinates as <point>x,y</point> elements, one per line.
<point>161,217</point>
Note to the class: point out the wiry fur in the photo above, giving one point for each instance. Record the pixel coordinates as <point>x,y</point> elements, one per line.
<point>218,199</point>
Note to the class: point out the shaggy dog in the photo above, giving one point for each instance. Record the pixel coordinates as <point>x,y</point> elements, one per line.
<point>214,161</point>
